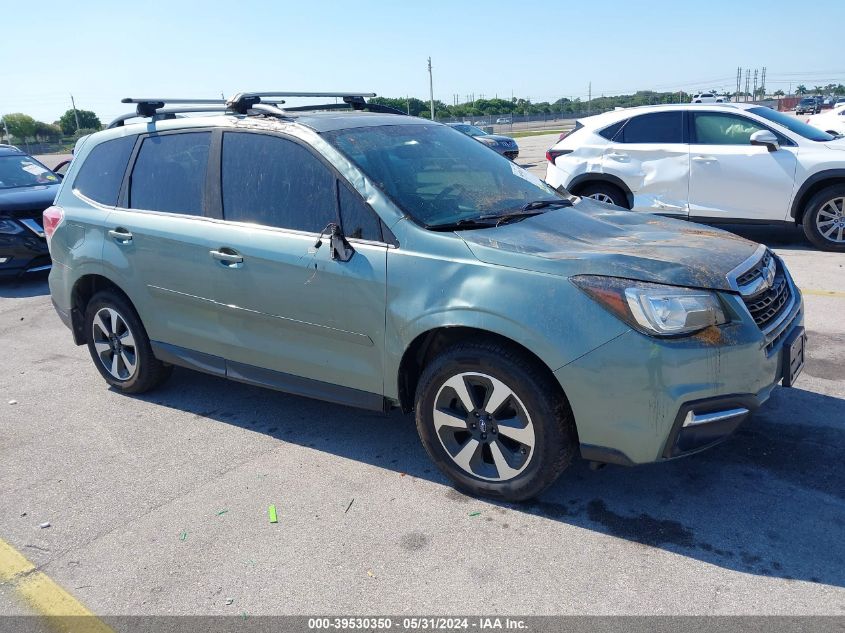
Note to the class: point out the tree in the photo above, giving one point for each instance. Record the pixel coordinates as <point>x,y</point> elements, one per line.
<point>801,90</point>
<point>47,131</point>
<point>21,126</point>
<point>87,119</point>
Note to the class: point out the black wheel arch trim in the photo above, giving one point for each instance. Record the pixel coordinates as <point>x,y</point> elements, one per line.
<point>583,179</point>
<point>809,187</point>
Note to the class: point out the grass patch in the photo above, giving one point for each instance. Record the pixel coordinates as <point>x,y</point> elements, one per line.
<point>534,133</point>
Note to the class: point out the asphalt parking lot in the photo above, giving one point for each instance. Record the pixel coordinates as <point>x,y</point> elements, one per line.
<point>158,504</point>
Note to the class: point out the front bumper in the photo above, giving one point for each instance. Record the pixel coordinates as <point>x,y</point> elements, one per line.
<point>23,253</point>
<point>632,396</point>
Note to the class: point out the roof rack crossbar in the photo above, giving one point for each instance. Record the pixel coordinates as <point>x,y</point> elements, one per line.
<point>164,113</point>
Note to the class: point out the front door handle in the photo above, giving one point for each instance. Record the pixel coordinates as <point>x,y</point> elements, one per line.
<point>120,235</point>
<point>617,155</point>
<point>227,256</point>
<point>705,159</point>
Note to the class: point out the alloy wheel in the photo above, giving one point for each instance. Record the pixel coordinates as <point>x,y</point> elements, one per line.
<point>830,220</point>
<point>483,426</point>
<point>114,344</point>
<point>602,197</point>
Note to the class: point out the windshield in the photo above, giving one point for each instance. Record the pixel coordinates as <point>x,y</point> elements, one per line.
<point>792,124</point>
<point>438,175</point>
<point>21,170</point>
<point>470,130</point>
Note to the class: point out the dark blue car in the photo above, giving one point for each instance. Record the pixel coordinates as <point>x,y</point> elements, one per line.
<point>26,188</point>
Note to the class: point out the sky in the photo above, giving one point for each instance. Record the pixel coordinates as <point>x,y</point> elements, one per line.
<point>101,51</point>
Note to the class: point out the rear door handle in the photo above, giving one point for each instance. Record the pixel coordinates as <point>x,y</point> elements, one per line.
<point>120,235</point>
<point>227,256</point>
<point>705,159</point>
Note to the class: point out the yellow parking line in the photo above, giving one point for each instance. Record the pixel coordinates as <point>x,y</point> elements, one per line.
<point>62,611</point>
<point>823,293</point>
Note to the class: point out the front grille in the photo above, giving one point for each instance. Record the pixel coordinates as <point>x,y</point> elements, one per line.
<point>756,272</point>
<point>769,303</point>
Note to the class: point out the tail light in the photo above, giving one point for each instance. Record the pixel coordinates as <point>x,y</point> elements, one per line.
<point>552,154</point>
<point>52,217</point>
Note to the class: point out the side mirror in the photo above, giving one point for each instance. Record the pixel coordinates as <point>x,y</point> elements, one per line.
<point>767,138</point>
<point>340,248</point>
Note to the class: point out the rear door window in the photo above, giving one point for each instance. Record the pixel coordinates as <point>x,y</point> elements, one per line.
<point>170,173</point>
<point>657,127</point>
<point>273,181</point>
<point>101,174</point>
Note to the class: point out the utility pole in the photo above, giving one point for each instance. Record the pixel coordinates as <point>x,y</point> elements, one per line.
<point>754,94</point>
<point>763,82</point>
<point>431,88</point>
<point>6,127</point>
<point>747,82</point>
<point>738,82</point>
<point>75,113</point>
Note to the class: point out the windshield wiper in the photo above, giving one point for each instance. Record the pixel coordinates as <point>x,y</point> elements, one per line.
<point>527,210</point>
<point>466,223</point>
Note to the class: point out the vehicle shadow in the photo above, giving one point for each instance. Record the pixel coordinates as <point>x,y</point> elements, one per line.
<point>783,236</point>
<point>32,285</point>
<point>769,501</point>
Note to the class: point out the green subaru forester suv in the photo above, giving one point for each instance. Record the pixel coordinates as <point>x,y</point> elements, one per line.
<point>378,260</point>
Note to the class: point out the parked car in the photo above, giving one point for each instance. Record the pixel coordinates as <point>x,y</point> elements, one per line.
<point>832,122</point>
<point>504,145</point>
<point>26,188</point>
<point>504,120</point>
<point>480,122</point>
<point>382,261</point>
<point>808,105</point>
<point>707,97</point>
<point>828,102</point>
<point>712,163</point>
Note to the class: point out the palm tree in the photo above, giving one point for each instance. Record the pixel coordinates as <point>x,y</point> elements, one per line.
<point>818,90</point>
<point>801,90</point>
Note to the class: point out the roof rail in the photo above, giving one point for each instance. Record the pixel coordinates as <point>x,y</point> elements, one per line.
<point>245,102</point>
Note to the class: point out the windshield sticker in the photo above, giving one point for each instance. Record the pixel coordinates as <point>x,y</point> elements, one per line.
<point>32,168</point>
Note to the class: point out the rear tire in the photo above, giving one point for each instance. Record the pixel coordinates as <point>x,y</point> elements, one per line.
<point>824,219</point>
<point>604,192</point>
<point>512,452</point>
<point>119,345</point>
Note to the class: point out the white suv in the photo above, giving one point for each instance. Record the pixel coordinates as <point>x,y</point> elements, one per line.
<point>732,163</point>
<point>707,97</point>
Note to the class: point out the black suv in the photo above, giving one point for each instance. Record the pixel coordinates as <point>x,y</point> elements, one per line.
<point>808,105</point>
<point>26,188</point>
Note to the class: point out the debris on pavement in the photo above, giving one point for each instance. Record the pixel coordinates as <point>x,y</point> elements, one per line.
<point>474,514</point>
<point>349,506</point>
<point>183,535</point>
<point>229,601</point>
<point>46,524</point>
<point>222,512</point>
<point>271,513</point>
<point>370,573</point>
<point>13,401</point>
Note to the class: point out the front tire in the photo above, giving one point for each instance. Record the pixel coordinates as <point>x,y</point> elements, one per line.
<point>824,219</point>
<point>493,421</point>
<point>119,345</point>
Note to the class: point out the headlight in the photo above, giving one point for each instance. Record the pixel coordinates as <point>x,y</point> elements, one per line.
<point>655,309</point>
<point>487,141</point>
<point>8,227</point>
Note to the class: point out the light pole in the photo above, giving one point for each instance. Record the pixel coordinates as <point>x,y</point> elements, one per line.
<point>431,88</point>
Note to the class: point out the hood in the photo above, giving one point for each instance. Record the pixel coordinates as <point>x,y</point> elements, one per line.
<point>838,143</point>
<point>25,201</point>
<point>592,238</point>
